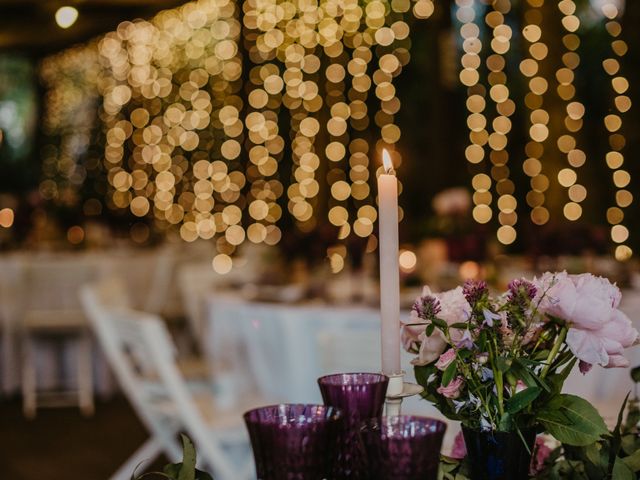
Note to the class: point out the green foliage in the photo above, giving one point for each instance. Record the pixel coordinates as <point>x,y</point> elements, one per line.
<point>572,420</point>
<point>185,470</point>
<point>614,456</point>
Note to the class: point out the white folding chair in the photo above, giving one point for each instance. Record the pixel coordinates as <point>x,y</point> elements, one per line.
<point>139,348</point>
<point>52,309</point>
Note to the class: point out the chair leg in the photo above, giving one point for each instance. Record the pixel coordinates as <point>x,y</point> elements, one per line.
<point>29,387</point>
<point>85,375</point>
<point>146,453</point>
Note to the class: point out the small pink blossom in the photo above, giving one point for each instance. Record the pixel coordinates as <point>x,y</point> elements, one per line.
<point>459,449</point>
<point>520,386</point>
<point>453,389</point>
<point>445,359</point>
<point>541,453</point>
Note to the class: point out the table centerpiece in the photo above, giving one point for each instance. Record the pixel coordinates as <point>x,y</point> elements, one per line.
<point>498,363</point>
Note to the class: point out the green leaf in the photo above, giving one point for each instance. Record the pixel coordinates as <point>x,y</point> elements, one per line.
<point>188,470</point>
<point>449,373</point>
<point>616,440</point>
<point>503,364</point>
<point>635,374</point>
<point>438,322</point>
<point>429,330</point>
<point>621,471</point>
<point>459,325</point>
<point>172,470</point>
<point>633,461</point>
<point>572,420</point>
<point>522,399</point>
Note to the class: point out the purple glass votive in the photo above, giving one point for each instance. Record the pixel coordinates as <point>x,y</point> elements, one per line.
<point>294,441</point>
<point>361,397</point>
<point>403,447</point>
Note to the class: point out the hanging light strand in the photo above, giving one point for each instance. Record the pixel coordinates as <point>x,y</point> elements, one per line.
<point>476,105</point>
<point>613,123</point>
<point>567,143</point>
<point>501,123</point>
<point>537,52</point>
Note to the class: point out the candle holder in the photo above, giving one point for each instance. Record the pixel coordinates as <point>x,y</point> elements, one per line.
<point>397,391</point>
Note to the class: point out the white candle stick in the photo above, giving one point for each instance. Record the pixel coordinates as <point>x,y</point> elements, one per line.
<point>389,268</point>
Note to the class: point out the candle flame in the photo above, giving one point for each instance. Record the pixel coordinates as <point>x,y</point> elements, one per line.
<point>386,161</point>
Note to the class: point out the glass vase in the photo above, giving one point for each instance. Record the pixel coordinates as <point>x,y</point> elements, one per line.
<point>498,455</point>
<point>361,397</point>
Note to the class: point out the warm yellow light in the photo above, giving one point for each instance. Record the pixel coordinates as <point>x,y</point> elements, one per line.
<point>6,217</point>
<point>407,261</point>
<point>386,161</point>
<point>66,16</point>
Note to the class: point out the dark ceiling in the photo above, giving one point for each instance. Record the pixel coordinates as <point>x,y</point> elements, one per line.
<point>29,25</point>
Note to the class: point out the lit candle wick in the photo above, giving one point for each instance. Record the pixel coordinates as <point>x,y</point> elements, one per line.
<point>386,161</point>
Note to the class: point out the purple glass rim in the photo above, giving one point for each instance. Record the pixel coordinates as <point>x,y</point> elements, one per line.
<point>405,426</point>
<point>354,378</point>
<point>297,414</point>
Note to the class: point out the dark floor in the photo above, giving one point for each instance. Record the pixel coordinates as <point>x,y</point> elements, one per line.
<point>60,444</point>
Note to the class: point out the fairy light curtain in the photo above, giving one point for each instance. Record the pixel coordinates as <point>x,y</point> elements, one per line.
<point>192,107</point>
<point>219,118</point>
<point>553,156</point>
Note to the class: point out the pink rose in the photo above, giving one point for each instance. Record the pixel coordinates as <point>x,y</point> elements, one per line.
<point>459,449</point>
<point>453,389</point>
<point>445,359</point>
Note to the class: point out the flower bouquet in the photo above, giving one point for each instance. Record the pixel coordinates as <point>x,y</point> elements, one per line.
<point>498,363</point>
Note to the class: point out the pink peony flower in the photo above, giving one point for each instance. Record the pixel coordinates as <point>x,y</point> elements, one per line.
<point>445,359</point>
<point>598,331</point>
<point>604,346</point>
<point>459,449</point>
<point>430,347</point>
<point>454,308</point>
<point>453,389</point>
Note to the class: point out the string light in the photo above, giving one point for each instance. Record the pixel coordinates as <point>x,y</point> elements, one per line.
<point>538,117</point>
<point>613,124</point>
<point>501,124</point>
<point>567,143</point>
<point>476,104</point>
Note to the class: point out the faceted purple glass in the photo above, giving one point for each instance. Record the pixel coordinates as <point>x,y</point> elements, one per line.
<point>294,442</point>
<point>403,447</point>
<point>361,397</point>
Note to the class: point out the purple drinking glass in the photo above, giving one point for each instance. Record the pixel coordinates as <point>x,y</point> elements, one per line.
<point>294,441</point>
<point>361,397</point>
<point>403,447</point>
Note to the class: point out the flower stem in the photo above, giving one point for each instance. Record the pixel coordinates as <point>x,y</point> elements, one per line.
<point>554,351</point>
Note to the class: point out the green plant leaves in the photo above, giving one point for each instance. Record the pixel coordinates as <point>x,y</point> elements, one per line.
<point>572,420</point>
<point>522,399</point>
<point>448,374</point>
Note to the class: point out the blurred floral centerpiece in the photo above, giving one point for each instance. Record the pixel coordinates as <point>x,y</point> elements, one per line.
<point>498,363</point>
